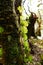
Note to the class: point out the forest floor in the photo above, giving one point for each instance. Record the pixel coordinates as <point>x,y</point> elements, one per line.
<point>36,51</point>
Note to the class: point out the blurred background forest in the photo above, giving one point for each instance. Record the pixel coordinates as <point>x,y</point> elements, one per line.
<point>21,32</point>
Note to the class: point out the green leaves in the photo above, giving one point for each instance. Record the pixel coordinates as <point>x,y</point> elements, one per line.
<point>1,52</point>
<point>26,43</point>
<point>22,18</point>
<point>25,37</point>
<point>24,23</point>
<point>23,29</point>
<point>28,59</point>
<point>26,46</point>
<point>1,29</point>
<point>20,8</point>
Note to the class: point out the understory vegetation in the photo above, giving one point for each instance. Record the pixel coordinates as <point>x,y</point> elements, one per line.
<point>16,47</point>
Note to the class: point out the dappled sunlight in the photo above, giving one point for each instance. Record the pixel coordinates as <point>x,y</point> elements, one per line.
<point>21,32</point>
<point>35,6</point>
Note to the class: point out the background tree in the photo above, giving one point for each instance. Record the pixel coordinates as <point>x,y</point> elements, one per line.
<point>9,35</point>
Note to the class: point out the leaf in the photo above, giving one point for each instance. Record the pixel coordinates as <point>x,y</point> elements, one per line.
<point>25,59</point>
<point>25,37</point>
<point>26,43</point>
<point>26,46</point>
<point>20,8</point>
<point>30,58</point>
<point>23,29</point>
<point>24,23</point>
<point>22,18</point>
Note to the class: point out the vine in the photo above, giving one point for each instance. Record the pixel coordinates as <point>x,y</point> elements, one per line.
<point>23,31</point>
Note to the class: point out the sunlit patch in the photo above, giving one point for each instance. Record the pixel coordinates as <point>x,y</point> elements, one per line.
<point>35,6</point>
<point>30,5</point>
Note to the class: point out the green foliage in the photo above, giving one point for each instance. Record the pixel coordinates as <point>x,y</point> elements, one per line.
<point>23,31</point>
<point>20,9</point>
<point>1,29</point>
<point>26,44</point>
<point>25,37</point>
<point>24,23</point>
<point>22,18</point>
<point>1,52</point>
<point>15,53</point>
<point>28,59</point>
<point>41,56</point>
